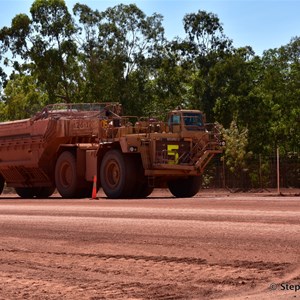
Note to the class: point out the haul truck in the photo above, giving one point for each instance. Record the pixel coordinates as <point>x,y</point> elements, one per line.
<point>67,146</point>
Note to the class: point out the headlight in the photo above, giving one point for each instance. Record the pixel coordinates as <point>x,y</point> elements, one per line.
<point>132,149</point>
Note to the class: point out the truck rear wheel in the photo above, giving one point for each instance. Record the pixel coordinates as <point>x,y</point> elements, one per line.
<point>30,192</point>
<point>66,175</point>
<point>86,191</point>
<point>185,188</point>
<point>117,174</point>
<point>1,184</point>
<point>25,192</point>
<point>44,192</point>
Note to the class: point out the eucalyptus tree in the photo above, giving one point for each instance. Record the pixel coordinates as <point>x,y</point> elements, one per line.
<point>101,72</point>
<point>171,80</point>
<point>236,87</point>
<point>43,46</point>
<point>3,77</point>
<point>231,80</point>
<point>281,84</point>
<point>183,75</point>
<point>292,112</point>
<point>54,49</point>
<point>204,46</point>
<point>117,44</point>
<point>23,96</point>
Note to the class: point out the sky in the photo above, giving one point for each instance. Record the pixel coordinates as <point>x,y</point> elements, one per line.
<point>261,24</point>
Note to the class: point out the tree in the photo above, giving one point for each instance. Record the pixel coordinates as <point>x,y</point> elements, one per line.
<point>205,45</point>
<point>118,44</point>
<point>205,34</point>
<point>236,154</point>
<point>236,86</point>
<point>169,85</point>
<point>280,83</point>
<point>45,45</point>
<point>23,98</point>
<point>54,48</point>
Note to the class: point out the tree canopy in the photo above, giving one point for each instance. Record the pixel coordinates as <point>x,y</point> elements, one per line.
<point>121,54</point>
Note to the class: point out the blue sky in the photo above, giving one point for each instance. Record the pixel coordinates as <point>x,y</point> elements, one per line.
<point>262,24</point>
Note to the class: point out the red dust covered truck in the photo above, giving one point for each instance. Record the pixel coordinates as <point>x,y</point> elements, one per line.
<point>67,146</point>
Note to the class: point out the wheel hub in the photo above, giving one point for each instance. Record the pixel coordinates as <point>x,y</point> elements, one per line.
<point>113,174</point>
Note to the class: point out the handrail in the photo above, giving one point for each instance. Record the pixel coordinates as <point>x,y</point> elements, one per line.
<point>80,110</point>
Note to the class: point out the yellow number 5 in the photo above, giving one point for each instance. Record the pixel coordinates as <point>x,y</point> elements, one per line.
<point>173,152</point>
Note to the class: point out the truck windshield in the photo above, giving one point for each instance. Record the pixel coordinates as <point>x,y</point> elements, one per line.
<point>193,121</point>
<point>174,120</point>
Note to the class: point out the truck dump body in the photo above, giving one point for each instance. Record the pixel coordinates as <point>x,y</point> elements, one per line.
<point>66,145</point>
<point>29,147</point>
<point>21,149</point>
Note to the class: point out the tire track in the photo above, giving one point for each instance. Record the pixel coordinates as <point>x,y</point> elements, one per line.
<point>105,276</point>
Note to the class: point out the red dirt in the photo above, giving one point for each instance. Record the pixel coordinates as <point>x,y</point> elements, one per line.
<point>214,246</point>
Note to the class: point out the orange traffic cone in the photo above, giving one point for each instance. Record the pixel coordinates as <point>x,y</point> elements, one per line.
<point>94,192</point>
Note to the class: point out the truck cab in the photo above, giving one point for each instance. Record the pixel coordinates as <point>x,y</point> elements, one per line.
<point>186,120</point>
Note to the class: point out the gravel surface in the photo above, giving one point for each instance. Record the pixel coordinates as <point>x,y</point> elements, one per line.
<point>216,245</point>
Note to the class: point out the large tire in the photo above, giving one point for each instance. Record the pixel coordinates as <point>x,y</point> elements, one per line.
<point>86,191</point>
<point>117,175</point>
<point>142,188</point>
<point>1,184</point>
<point>66,175</point>
<point>143,191</point>
<point>30,192</point>
<point>185,188</point>
<point>44,192</point>
<point>26,192</point>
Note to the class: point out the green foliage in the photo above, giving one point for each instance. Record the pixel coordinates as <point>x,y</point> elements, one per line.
<point>168,88</point>
<point>121,54</point>
<point>118,48</point>
<point>281,86</point>
<point>206,45</point>
<point>23,98</point>
<point>236,153</point>
<point>45,43</point>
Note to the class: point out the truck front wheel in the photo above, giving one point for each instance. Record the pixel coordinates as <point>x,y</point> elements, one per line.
<point>143,190</point>
<point>117,174</point>
<point>185,188</point>
<point>66,175</point>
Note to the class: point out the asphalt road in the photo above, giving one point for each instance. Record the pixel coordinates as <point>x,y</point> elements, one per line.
<point>214,246</point>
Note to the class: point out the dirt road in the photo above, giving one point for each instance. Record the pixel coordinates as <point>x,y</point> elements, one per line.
<point>213,246</point>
